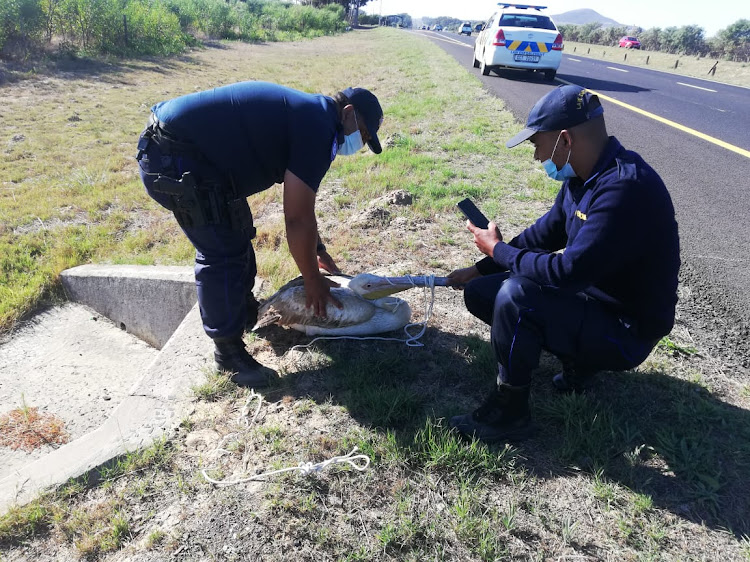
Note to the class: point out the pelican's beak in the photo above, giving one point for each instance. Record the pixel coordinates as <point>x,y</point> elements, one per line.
<point>385,286</point>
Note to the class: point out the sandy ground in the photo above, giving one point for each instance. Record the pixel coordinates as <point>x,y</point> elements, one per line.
<point>71,362</point>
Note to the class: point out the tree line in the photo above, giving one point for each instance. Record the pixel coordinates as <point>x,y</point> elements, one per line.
<point>731,43</point>
<point>157,27</point>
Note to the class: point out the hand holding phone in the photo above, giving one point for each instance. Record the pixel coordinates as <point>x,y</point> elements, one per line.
<point>470,210</point>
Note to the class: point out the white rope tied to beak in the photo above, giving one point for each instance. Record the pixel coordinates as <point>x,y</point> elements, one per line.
<point>305,468</point>
<point>411,340</point>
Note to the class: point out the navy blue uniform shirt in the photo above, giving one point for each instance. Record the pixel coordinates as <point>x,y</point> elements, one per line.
<point>620,237</point>
<point>255,131</point>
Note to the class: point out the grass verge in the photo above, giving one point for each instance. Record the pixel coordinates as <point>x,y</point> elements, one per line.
<point>649,465</point>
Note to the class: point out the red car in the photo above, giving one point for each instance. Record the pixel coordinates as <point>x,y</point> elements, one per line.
<point>630,42</point>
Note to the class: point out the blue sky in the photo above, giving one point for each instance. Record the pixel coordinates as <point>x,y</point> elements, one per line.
<point>646,13</point>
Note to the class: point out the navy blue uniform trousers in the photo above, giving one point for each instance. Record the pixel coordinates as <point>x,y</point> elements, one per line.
<point>526,318</point>
<point>225,265</point>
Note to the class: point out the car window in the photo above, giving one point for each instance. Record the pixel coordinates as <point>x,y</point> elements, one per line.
<point>523,20</point>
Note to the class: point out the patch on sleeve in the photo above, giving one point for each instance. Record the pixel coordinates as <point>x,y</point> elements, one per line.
<point>334,149</point>
<point>580,215</point>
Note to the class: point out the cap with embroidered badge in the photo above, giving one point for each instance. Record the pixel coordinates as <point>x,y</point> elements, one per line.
<point>368,106</point>
<point>562,108</point>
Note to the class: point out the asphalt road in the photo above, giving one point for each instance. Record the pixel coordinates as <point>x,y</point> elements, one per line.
<point>706,167</point>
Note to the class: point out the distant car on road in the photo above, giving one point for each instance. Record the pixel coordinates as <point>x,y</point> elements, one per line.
<point>465,29</point>
<point>438,27</point>
<point>478,27</point>
<point>519,36</point>
<point>630,42</point>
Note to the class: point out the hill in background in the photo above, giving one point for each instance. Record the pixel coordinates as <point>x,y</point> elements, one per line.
<point>583,16</point>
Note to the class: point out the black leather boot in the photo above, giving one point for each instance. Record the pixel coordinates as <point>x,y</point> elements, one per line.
<point>504,416</point>
<point>231,356</point>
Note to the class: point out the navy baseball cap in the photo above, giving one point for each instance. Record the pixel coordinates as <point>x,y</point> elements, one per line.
<point>368,106</point>
<point>562,108</point>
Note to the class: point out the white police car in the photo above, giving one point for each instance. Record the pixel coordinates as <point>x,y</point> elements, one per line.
<point>519,36</point>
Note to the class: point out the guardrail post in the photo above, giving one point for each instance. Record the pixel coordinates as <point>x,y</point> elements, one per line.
<point>676,63</point>
<point>625,57</point>
<point>647,57</point>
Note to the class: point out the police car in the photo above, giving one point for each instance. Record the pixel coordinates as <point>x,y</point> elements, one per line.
<point>519,36</point>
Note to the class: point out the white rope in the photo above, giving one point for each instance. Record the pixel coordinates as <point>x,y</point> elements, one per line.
<point>245,412</point>
<point>412,340</point>
<point>305,469</point>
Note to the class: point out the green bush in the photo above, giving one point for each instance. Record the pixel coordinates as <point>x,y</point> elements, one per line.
<point>20,20</point>
<point>153,30</point>
<point>159,27</point>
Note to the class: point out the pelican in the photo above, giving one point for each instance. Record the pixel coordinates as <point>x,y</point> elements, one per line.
<point>367,307</point>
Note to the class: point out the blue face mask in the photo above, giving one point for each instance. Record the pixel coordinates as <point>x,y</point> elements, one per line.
<point>352,143</point>
<point>563,173</point>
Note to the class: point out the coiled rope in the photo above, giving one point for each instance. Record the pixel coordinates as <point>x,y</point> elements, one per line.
<point>305,468</point>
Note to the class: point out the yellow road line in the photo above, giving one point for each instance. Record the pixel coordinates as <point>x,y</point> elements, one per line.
<point>683,128</point>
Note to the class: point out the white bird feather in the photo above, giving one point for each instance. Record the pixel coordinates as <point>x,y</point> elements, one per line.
<point>366,309</point>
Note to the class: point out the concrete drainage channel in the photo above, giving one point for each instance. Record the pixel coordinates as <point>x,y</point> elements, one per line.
<point>115,393</point>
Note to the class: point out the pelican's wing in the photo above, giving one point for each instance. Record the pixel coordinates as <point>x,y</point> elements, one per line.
<point>288,307</point>
<point>339,278</point>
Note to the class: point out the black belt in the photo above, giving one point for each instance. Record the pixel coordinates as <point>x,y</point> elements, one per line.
<point>168,141</point>
<point>161,128</point>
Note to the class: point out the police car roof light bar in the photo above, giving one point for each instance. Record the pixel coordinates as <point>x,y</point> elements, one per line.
<point>521,6</point>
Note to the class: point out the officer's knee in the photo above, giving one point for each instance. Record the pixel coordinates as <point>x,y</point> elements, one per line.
<point>518,292</point>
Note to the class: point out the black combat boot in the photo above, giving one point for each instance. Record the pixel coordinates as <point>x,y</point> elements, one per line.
<point>504,416</point>
<point>231,356</point>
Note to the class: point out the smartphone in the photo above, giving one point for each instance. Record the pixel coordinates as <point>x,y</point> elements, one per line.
<point>470,210</point>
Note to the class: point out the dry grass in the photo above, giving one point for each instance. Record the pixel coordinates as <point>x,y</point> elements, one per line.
<point>27,428</point>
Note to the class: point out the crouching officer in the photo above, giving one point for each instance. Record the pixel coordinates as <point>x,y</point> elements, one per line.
<point>601,304</point>
<point>203,154</point>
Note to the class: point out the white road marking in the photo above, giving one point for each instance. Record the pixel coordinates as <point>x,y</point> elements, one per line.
<point>620,69</point>
<point>696,87</point>
<point>449,40</point>
<point>574,60</point>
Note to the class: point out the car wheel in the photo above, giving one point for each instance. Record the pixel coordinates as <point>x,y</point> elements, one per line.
<point>550,75</point>
<point>474,56</point>
<point>484,68</point>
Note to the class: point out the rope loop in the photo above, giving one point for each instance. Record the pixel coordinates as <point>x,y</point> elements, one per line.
<point>305,469</point>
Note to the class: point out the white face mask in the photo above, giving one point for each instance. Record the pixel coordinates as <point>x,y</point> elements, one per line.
<point>353,143</point>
